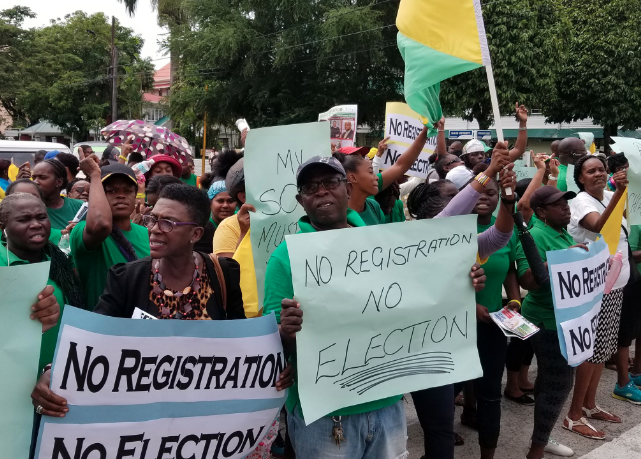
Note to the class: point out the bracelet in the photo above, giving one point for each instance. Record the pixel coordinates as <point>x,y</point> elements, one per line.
<point>45,369</point>
<point>523,128</point>
<point>482,179</point>
<point>140,196</point>
<point>122,157</point>
<point>515,301</point>
<point>552,177</point>
<point>441,130</point>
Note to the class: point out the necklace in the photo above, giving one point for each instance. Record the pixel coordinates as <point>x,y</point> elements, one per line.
<point>159,288</point>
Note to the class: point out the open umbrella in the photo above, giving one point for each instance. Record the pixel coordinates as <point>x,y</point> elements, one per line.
<point>148,139</point>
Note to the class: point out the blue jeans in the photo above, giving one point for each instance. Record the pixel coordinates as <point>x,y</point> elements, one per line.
<point>380,434</point>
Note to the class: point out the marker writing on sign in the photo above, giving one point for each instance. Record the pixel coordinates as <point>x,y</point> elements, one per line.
<point>589,280</point>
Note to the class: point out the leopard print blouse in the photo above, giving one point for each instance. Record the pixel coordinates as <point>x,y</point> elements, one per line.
<point>198,301</point>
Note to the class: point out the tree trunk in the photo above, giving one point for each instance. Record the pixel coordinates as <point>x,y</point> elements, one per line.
<point>609,131</point>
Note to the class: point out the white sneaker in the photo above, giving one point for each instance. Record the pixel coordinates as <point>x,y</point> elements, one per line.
<point>554,447</point>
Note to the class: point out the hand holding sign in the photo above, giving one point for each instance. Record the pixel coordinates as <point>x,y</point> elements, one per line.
<point>47,309</point>
<point>291,318</point>
<point>478,277</point>
<point>382,146</point>
<point>50,403</point>
<point>508,181</point>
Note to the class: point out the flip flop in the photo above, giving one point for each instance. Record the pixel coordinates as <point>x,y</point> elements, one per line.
<point>589,413</point>
<point>581,422</point>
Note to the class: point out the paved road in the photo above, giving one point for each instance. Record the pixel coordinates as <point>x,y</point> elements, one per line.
<point>623,440</point>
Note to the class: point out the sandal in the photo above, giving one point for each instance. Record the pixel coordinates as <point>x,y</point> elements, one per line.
<point>593,414</point>
<point>581,422</point>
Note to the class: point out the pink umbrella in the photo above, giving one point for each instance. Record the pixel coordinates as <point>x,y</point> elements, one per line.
<point>148,139</point>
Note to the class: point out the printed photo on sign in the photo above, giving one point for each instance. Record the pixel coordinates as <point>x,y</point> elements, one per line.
<point>400,330</point>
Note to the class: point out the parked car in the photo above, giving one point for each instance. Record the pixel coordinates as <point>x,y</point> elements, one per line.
<point>21,151</point>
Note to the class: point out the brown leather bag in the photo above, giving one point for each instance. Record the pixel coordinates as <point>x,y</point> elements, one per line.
<point>221,279</point>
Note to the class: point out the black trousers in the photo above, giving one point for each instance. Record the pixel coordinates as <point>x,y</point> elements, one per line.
<point>492,347</point>
<point>519,352</point>
<point>435,410</point>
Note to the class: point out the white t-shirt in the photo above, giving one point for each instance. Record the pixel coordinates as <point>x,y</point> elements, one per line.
<point>584,204</point>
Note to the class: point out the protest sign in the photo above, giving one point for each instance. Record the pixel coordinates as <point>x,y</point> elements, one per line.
<point>388,309</point>
<point>523,172</point>
<point>342,120</point>
<point>632,150</point>
<point>162,388</point>
<point>578,280</point>
<point>19,353</point>
<point>402,126</point>
<point>272,156</point>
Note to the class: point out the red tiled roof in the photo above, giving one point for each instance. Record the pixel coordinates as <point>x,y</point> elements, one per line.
<point>162,74</point>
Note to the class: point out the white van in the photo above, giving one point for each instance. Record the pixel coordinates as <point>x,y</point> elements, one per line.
<point>21,151</point>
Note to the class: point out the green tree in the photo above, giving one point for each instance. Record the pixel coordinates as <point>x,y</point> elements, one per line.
<point>600,67</point>
<point>522,36</point>
<point>280,62</point>
<point>65,76</point>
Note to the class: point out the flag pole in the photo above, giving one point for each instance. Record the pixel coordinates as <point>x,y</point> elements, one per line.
<point>495,109</point>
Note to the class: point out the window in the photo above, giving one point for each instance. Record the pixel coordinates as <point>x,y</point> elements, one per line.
<point>154,114</point>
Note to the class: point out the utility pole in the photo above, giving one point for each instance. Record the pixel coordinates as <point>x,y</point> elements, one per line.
<point>114,72</point>
<point>204,138</point>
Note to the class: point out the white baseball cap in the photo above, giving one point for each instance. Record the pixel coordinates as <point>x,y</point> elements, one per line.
<point>473,146</point>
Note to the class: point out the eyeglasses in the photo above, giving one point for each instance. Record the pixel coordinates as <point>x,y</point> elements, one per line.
<point>81,189</point>
<point>457,160</point>
<point>164,225</point>
<point>328,184</point>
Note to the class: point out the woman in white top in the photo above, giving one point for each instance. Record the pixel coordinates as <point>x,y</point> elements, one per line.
<point>590,210</point>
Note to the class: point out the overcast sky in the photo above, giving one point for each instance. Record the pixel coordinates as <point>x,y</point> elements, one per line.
<point>143,23</point>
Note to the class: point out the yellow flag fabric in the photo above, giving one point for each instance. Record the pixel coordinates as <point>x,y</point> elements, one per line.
<point>245,258</point>
<point>611,231</point>
<point>13,172</point>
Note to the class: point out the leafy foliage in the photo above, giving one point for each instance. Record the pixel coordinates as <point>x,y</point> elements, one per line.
<point>61,72</point>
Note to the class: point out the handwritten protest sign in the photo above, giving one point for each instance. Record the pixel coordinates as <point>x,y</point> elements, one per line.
<point>272,156</point>
<point>523,172</point>
<point>632,150</point>
<point>162,388</point>
<point>342,120</point>
<point>19,353</point>
<point>578,280</point>
<point>388,309</point>
<point>402,126</point>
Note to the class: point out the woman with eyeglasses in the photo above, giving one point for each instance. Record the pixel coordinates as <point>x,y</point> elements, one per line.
<point>78,189</point>
<point>107,236</point>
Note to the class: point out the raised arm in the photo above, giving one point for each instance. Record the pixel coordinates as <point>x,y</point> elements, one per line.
<point>593,221</point>
<point>441,143</point>
<point>524,202</point>
<point>521,139</point>
<point>99,218</point>
<point>405,161</point>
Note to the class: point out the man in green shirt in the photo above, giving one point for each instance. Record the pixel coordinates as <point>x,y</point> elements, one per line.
<point>570,150</point>
<point>324,194</point>
<point>108,236</point>
<point>51,177</point>
<point>188,175</point>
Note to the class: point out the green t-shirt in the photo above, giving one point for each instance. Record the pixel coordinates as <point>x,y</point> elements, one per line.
<point>372,215</point>
<point>397,215</point>
<point>380,182</point>
<point>538,305</point>
<point>192,180</point>
<point>496,269</point>
<point>49,339</point>
<point>635,240</point>
<point>60,218</point>
<point>93,265</point>
<point>562,182</point>
<point>278,286</point>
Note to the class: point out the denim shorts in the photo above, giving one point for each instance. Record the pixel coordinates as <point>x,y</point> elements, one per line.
<point>380,434</point>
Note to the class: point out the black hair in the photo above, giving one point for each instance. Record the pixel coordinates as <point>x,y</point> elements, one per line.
<point>223,162</point>
<point>135,157</point>
<point>206,180</point>
<point>432,159</point>
<point>61,270</point>
<point>616,160</point>
<point>13,185</point>
<point>391,191</point>
<point>194,199</point>
<point>521,186</point>
<point>350,162</point>
<point>39,156</point>
<point>426,201</point>
<point>439,165</point>
<point>59,170</point>
<point>440,183</point>
<point>107,154</point>
<point>157,183</point>
<point>74,181</point>
<point>70,161</point>
<point>579,166</point>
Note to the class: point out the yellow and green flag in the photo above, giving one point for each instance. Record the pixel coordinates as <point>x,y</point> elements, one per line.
<point>438,39</point>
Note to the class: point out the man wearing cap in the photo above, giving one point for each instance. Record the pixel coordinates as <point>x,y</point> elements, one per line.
<point>323,191</point>
<point>570,150</point>
<point>108,236</point>
<point>473,153</point>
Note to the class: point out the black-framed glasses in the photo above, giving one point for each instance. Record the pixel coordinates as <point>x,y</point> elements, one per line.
<point>457,160</point>
<point>328,184</point>
<point>166,226</point>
